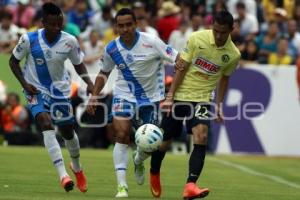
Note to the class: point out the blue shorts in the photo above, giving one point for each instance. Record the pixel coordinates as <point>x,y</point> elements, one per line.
<point>138,114</point>
<point>60,110</point>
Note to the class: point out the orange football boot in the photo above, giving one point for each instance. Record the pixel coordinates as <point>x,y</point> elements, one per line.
<point>67,183</point>
<point>155,186</point>
<point>192,191</point>
<point>81,182</point>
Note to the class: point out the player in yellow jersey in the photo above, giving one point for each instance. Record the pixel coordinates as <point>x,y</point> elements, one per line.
<point>208,60</point>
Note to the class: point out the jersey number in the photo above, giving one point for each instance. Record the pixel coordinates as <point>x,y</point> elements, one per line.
<point>201,112</point>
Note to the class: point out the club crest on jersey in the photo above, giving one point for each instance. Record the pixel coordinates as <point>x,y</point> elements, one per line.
<point>48,54</point>
<point>225,58</point>
<point>39,61</point>
<point>129,58</point>
<point>206,66</point>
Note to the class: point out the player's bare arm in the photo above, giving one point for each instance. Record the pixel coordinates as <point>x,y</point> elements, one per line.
<point>99,84</point>
<point>14,64</point>
<point>222,89</point>
<point>178,77</point>
<point>82,72</point>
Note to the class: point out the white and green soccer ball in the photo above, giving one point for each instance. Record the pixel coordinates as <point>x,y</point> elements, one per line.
<point>148,137</point>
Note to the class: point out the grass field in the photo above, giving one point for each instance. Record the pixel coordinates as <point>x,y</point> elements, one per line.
<point>27,173</point>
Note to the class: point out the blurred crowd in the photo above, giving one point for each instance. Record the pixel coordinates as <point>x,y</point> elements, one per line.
<point>265,31</point>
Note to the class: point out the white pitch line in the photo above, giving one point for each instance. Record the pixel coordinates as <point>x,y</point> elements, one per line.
<point>256,173</point>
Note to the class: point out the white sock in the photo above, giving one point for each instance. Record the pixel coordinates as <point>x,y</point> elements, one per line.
<point>73,148</point>
<point>120,155</point>
<point>140,156</point>
<point>54,150</point>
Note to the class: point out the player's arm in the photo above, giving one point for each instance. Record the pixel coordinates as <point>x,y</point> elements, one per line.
<point>82,72</point>
<point>178,77</point>
<point>19,52</point>
<point>106,65</point>
<point>99,85</point>
<point>221,91</point>
<point>223,86</point>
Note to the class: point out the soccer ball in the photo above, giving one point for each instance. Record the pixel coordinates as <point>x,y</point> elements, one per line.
<point>148,137</point>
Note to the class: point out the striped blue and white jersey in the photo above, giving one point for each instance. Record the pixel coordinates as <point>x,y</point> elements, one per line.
<point>140,69</point>
<point>44,66</point>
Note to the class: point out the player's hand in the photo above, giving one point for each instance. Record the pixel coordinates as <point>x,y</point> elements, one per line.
<point>219,115</point>
<point>167,105</point>
<point>30,89</point>
<point>91,106</point>
<point>89,89</point>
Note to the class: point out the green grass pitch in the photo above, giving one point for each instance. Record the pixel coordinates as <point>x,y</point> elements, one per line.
<point>26,173</point>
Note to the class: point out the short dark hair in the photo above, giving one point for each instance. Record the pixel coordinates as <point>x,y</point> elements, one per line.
<point>50,9</point>
<point>125,11</point>
<point>15,95</point>
<point>224,18</point>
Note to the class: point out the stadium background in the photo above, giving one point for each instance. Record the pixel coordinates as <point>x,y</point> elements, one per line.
<point>269,130</point>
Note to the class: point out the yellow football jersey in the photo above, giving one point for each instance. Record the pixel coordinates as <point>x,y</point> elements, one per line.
<point>208,64</point>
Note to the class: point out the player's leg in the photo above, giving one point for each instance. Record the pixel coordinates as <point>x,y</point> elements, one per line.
<point>39,107</point>
<point>122,112</point>
<point>73,147</point>
<point>63,117</point>
<point>122,127</point>
<point>171,126</point>
<point>146,114</point>
<point>199,125</point>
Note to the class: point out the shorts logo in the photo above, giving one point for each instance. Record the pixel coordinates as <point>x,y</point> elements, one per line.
<point>58,114</point>
<point>225,58</point>
<point>39,61</point>
<point>129,58</point>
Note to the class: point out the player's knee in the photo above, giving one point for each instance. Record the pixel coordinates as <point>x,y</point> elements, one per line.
<point>122,137</point>
<point>46,125</point>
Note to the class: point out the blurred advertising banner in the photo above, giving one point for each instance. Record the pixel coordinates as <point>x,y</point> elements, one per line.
<point>262,111</point>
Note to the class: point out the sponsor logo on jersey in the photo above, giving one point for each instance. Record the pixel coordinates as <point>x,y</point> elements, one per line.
<point>206,66</point>
<point>147,45</point>
<point>39,61</point>
<point>139,56</point>
<point>68,45</point>
<point>121,66</point>
<point>61,52</point>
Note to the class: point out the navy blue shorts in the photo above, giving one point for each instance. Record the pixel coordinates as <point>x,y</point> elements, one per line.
<point>60,110</point>
<point>193,113</point>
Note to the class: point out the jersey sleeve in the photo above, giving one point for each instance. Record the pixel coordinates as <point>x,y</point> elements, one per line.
<point>187,53</point>
<point>76,55</point>
<point>232,66</point>
<point>22,48</point>
<point>166,52</point>
<point>106,63</point>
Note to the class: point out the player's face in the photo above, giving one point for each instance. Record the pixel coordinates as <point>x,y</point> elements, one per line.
<point>126,27</point>
<point>221,33</point>
<point>53,24</point>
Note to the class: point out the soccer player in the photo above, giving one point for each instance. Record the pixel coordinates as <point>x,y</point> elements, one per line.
<point>46,85</point>
<point>208,60</point>
<point>138,89</point>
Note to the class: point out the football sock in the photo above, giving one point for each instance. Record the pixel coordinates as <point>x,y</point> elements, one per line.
<point>120,155</point>
<point>73,147</point>
<point>196,162</point>
<point>156,160</point>
<point>54,150</point>
<point>140,156</point>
